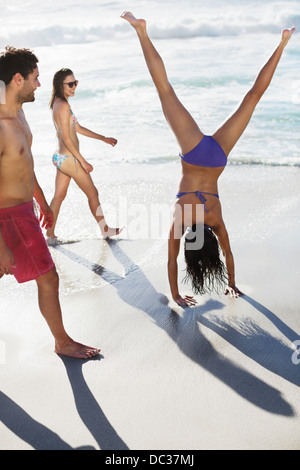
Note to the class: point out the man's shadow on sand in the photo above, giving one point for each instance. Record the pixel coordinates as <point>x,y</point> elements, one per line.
<point>89,409</point>
<point>184,331</point>
<point>39,437</point>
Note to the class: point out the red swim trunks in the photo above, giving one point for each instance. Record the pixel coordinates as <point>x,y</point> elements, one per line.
<point>23,236</point>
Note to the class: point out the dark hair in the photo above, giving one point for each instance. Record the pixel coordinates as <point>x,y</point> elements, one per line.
<point>205,269</point>
<point>58,88</point>
<point>14,61</point>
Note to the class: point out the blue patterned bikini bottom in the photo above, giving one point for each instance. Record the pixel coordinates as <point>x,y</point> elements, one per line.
<point>58,159</point>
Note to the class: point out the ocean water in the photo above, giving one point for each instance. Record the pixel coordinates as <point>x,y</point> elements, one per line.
<point>212,51</point>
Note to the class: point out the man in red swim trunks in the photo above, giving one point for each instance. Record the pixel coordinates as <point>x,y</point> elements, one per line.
<point>23,249</point>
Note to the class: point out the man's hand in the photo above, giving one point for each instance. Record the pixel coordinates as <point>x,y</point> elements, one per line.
<point>46,216</point>
<point>7,261</point>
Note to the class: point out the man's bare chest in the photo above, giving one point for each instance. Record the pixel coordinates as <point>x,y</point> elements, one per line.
<point>18,141</point>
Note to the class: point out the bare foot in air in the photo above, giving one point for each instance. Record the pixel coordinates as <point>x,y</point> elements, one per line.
<point>76,350</point>
<point>137,24</point>
<point>286,34</point>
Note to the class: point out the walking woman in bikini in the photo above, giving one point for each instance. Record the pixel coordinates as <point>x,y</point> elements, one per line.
<point>203,160</point>
<point>68,159</point>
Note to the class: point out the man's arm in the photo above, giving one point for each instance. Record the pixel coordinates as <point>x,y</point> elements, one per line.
<point>6,257</point>
<point>46,214</point>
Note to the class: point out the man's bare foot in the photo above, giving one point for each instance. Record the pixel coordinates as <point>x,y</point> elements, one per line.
<point>108,232</point>
<point>286,34</point>
<point>137,24</point>
<point>76,350</point>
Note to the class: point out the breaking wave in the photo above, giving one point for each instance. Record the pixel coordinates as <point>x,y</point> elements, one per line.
<point>182,29</point>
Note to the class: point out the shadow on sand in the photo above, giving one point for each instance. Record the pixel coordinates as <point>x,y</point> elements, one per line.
<point>243,334</point>
<point>253,341</point>
<point>186,332</point>
<point>39,437</point>
<point>88,408</point>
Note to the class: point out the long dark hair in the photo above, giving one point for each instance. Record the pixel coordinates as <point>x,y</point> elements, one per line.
<point>58,87</point>
<point>204,268</point>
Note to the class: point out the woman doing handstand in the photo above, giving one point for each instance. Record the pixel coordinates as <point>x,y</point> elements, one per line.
<point>203,160</point>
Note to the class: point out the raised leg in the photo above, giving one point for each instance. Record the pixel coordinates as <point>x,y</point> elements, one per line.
<point>50,308</point>
<point>85,183</point>
<point>229,133</point>
<point>179,119</point>
<point>62,182</point>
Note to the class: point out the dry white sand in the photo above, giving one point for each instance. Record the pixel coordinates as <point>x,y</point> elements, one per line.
<point>219,375</point>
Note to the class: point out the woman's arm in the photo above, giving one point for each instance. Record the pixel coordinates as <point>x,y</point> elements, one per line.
<point>88,133</point>
<point>224,242</point>
<point>64,116</point>
<point>173,251</point>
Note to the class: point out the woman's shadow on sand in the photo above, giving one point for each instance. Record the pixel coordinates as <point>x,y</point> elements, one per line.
<point>255,342</point>
<point>185,332</point>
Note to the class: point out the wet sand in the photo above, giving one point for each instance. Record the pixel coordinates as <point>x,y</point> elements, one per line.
<point>219,375</point>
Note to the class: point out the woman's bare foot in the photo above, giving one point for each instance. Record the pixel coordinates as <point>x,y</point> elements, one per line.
<point>108,232</point>
<point>137,24</point>
<point>51,240</point>
<point>286,34</point>
<point>76,350</point>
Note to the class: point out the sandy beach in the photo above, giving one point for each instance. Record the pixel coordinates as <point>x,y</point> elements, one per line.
<point>224,374</point>
<point>220,375</point>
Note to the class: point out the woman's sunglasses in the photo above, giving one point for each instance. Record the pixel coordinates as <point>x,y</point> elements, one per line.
<point>71,84</point>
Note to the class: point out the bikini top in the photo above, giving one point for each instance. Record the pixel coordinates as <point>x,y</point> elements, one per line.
<point>207,153</point>
<point>74,119</point>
